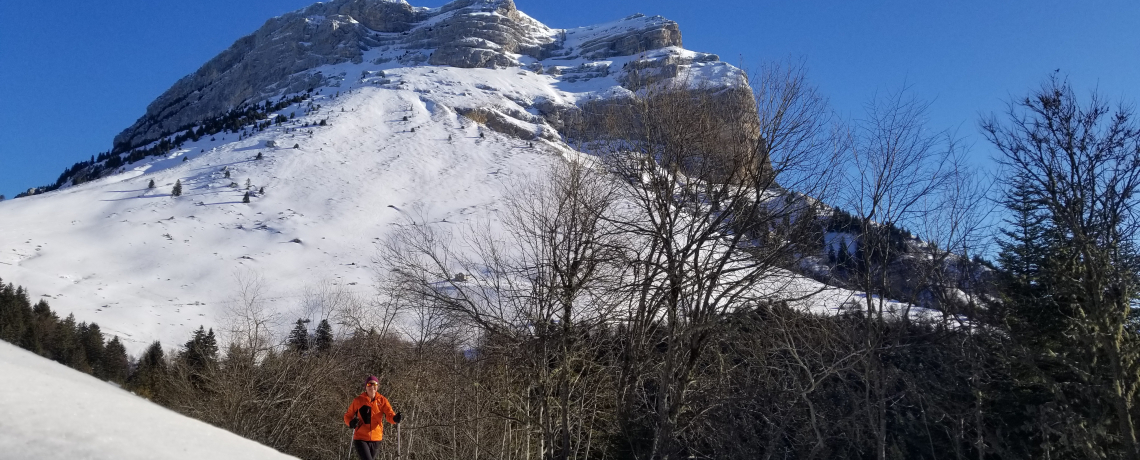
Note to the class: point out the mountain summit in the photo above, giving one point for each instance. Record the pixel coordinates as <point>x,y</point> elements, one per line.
<point>285,55</point>
<point>297,151</point>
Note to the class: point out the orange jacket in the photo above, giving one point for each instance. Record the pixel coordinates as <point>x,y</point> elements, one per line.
<point>380,409</point>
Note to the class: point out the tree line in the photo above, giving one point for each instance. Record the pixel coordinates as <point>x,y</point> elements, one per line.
<point>38,329</point>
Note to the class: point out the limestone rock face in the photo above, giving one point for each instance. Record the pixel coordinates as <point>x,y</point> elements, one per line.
<point>656,35</point>
<point>283,56</point>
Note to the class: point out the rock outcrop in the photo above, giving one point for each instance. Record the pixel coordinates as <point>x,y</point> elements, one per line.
<point>284,56</point>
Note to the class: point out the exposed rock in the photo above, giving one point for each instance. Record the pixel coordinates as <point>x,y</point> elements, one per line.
<point>282,57</point>
<point>515,124</point>
<point>656,33</point>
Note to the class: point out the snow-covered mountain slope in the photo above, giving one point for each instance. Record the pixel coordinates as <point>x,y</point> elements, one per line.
<point>381,140</point>
<point>146,266</point>
<point>52,411</point>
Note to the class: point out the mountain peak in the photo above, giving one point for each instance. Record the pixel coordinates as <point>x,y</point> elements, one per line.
<point>279,58</point>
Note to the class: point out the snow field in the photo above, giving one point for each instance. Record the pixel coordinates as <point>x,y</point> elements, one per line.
<point>52,411</point>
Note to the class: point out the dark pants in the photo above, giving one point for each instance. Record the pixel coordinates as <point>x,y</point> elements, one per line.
<point>367,450</point>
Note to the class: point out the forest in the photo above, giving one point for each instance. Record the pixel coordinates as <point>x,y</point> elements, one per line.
<point>727,274</point>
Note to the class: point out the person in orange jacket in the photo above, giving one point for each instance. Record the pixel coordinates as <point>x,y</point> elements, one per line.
<point>365,416</point>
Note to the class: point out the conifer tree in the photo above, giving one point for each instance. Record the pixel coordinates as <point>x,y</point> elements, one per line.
<point>299,338</point>
<point>177,191</point>
<point>115,363</point>
<point>150,184</point>
<point>91,342</point>
<point>201,350</point>
<point>324,337</point>
<point>63,345</point>
<point>245,199</point>
<point>147,378</point>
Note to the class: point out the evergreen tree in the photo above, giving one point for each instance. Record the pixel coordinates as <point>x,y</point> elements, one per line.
<point>44,322</point>
<point>324,337</point>
<point>1072,264</point>
<point>147,378</point>
<point>115,363</point>
<point>245,199</point>
<point>150,185</point>
<point>177,191</point>
<point>299,338</point>
<point>15,314</point>
<point>91,342</point>
<point>63,344</point>
<point>1022,245</point>
<point>201,351</point>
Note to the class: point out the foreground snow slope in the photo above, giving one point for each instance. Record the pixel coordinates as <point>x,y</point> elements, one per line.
<point>48,410</point>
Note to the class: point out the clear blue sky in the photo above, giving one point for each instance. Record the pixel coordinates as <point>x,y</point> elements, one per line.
<point>75,73</point>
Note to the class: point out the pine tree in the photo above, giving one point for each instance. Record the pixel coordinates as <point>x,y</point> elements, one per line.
<point>177,191</point>
<point>324,337</point>
<point>299,338</point>
<point>245,199</point>
<point>201,351</point>
<point>91,342</point>
<point>150,371</point>
<point>115,363</point>
<point>227,174</point>
<point>63,344</point>
<point>150,185</point>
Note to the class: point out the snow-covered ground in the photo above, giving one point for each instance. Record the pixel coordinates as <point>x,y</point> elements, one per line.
<point>146,266</point>
<point>48,410</point>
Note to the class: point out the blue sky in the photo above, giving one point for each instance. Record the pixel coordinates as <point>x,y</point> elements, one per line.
<point>75,73</point>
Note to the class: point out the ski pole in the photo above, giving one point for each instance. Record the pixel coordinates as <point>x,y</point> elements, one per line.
<point>349,456</point>
<point>399,455</point>
<point>350,433</point>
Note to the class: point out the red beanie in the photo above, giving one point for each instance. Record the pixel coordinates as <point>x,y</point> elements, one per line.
<point>372,378</point>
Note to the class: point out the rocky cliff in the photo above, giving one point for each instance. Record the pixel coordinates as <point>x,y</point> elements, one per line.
<point>281,57</point>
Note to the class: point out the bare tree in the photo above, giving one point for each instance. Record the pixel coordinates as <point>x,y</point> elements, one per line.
<point>1079,164</point>
<point>249,321</point>
<point>717,185</point>
<point>536,296</point>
